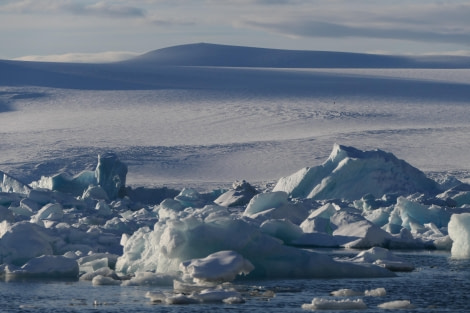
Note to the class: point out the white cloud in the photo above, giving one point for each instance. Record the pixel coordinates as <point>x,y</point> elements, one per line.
<point>99,8</point>
<point>85,25</point>
<point>101,57</point>
<point>425,22</point>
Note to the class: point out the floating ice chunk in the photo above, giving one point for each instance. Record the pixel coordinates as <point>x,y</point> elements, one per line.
<point>350,173</point>
<point>189,197</point>
<point>19,211</point>
<point>212,229</point>
<point>413,215</point>
<point>378,292</point>
<point>234,300</point>
<point>396,305</point>
<point>23,241</point>
<point>156,296</point>
<point>93,265</point>
<point>378,216</point>
<point>104,281</point>
<point>181,299</point>
<point>462,198</point>
<point>275,205</point>
<point>329,304</point>
<point>266,201</point>
<point>103,209</point>
<point>48,266</point>
<point>212,295</point>
<point>240,194</point>
<point>459,232</point>
<point>283,229</point>
<point>103,271</point>
<point>95,193</point>
<point>218,295</point>
<point>151,279</point>
<point>10,184</point>
<point>443,243</point>
<point>66,183</point>
<point>358,233</point>
<point>384,258</point>
<point>169,209</point>
<point>219,266</point>
<point>457,195</point>
<point>111,175</point>
<point>346,293</point>
<point>51,211</point>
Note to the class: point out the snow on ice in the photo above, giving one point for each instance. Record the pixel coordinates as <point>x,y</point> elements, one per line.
<point>93,227</point>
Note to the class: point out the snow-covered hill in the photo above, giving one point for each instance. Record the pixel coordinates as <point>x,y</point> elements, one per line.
<point>206,54</point>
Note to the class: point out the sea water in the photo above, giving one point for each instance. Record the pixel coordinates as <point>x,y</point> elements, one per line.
<point>438,284</point>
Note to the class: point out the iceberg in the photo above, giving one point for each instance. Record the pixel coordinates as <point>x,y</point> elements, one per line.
<point>23,241</point>
<point>111,175</point>
<point>202,232</point>
<point>216,236</point>
<point>66,183</point>
<point>350,173</point>
<point>240,194</point>
<point>275,205</point>
<point>10,184</point>
<point>459,232</point>
<point>46,266</point>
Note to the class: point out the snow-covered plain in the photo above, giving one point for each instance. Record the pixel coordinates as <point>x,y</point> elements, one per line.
<point>186,133</point>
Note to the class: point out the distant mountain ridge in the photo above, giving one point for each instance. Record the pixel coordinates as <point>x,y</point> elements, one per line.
<point>210,66</point>
<point>206,54</point>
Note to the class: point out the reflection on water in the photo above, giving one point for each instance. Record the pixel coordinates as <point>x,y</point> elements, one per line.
<point>439,284</point>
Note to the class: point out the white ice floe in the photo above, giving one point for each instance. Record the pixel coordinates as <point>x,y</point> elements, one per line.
<point>378,292</point>
<point>384,258</point>
<point>151,279</point>
<point>219,266</point>
<point>207,295</point>
<point>275,205</point>
<point>240,194</point>
<point>459,232</point>
<point>397,305</point>
<point>346,292</point>
<point>330,304</point>
<point>46,266</point>
<point>101,280</point>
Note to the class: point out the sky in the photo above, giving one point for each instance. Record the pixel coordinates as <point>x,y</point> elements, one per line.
<point>104,30</point>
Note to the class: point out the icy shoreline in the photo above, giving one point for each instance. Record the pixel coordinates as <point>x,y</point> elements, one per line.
<point>93,227</point>
<point>393,205</point>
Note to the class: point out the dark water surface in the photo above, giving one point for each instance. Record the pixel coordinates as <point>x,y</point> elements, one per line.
<point>439,284</point>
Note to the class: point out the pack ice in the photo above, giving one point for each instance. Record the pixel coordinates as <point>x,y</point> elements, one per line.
<point>93,227</point>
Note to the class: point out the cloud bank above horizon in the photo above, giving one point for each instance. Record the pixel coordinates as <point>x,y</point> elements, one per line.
<point>48,28</point>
